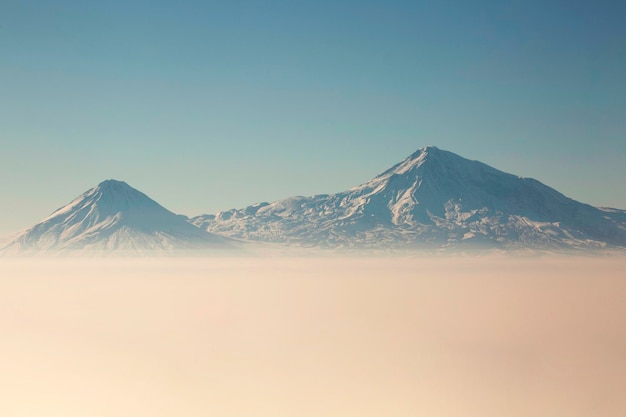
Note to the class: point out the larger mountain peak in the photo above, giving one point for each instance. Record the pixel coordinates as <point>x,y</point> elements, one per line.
<point>428,156</point>
<point>434,198</point>
<point>430,149</point>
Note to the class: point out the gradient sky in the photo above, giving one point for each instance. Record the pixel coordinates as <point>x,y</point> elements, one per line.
<point>207,105</point>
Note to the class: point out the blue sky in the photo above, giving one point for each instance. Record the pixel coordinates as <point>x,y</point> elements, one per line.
<point>207,106</point>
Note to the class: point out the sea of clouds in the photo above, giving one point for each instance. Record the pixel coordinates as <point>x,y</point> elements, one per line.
<point>313,336</point>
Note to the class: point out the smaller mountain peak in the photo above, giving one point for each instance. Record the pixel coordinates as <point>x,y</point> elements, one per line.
<point>115,190</point>
<point>115,187</point>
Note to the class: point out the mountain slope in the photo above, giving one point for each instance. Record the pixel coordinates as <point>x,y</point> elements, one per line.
<point>113,216</point>
<point>433,198</point>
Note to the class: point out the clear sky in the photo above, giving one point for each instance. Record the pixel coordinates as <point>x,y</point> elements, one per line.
<point>211,105</point>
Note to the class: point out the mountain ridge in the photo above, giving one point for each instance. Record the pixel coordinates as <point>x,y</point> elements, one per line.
<point>434,198</point>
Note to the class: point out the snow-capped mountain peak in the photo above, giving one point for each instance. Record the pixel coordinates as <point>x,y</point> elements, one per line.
<point>433,198</point>
<point>114,216</point>
<point>110,197</point>
<point>412,162</point>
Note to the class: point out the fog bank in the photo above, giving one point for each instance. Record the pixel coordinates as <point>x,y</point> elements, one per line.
<point>340,336</point>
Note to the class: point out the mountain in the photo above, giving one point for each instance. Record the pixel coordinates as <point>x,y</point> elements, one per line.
<point>113,216</point>
<point>435,199</point>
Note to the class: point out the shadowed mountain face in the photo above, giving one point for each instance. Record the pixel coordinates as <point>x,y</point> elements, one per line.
<point>113,216</point>
<point>433,198</point>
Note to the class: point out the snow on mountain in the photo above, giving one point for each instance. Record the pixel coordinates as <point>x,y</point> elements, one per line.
<point>113,216</point>
<point>434,198</point>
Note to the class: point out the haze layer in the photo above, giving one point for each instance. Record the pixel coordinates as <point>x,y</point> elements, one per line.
<point>313,337</point>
